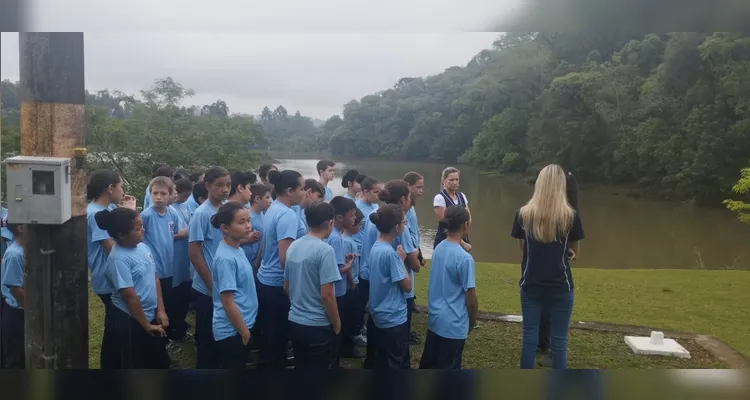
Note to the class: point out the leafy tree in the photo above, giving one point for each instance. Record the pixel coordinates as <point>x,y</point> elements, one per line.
<point>742,187</point>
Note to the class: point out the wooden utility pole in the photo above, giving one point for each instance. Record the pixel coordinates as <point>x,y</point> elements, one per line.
<point>53,123</point>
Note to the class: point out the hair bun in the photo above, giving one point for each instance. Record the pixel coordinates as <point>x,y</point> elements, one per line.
<point>103,219</point>
<point>274,177</point>
<point>374,218</point>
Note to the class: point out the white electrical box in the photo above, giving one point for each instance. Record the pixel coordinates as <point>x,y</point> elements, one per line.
<point>38,190</point>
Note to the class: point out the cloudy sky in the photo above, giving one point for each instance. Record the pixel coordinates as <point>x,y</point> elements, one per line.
<point>308,58</point>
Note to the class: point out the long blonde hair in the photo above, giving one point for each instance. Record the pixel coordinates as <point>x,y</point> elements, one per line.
<point>548,216</point>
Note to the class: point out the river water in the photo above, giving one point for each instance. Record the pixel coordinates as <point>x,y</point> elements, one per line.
<point>621,232</point>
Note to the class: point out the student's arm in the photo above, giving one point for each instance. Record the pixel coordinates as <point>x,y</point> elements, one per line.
<point>574,237</point>
<point>286,232</point>
<point>108,244</point>
<point>517,231</point>
<point>233,313</point>
<point>13,277</point>
<point>198,225</point>
<point>412,253</point>
<point>161,314</point>
<point>329,273</point>
<point>286,286</point>
<point>18,294</point>
<point>258,256</point>
<point>100,235</point>
<point>466,276</point>
<point>183,231</point>
<point>133,304</point>
<point>400,274</point>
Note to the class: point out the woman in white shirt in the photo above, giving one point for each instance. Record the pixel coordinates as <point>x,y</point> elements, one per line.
<point>447,197</point>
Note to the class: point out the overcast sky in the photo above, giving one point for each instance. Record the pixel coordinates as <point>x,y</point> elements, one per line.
<point>308,56</point>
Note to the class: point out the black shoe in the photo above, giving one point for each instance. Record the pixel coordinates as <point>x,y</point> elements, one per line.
<point>545,362</point>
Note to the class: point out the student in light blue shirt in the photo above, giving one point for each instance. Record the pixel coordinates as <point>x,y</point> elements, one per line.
<point>138,317</point>
<point>162,226</point>
<point>241,193</point>
<point>104,189</point>
<point>416,187</point>
<point>204,240</point>
<point>388,330</point>
<point>235,300</point>
<point>451,297</point>
<point>344,214</point>
<point>352,182</point>
<point>326,172</point>
<point>309,277</point>
<point>279,231</point>
<point>367,203</point>
<point>158,170</point>
<point>259,203</point>
<point>182,280</point>
<point>313,192</point>
<point>12,288</point>
<point>6,236</point>
<point>394,192</point>
<point>354,312</point>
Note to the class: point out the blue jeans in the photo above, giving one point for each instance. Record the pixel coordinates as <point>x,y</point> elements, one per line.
<point>559,307</point>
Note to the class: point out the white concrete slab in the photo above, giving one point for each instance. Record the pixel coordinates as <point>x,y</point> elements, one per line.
<point>656,345</point>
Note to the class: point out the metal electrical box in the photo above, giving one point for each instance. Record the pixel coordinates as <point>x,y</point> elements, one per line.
<point>38,190</point>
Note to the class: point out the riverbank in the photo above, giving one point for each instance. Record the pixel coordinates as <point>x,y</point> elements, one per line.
<point>707,302</point>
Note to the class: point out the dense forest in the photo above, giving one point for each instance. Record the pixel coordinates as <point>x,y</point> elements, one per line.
<point>668,113</point>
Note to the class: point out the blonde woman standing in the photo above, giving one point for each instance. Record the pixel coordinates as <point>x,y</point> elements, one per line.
<point>548,230</point>
<point>449,196</point>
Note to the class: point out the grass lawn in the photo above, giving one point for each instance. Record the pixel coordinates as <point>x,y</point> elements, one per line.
<point>710,302</point>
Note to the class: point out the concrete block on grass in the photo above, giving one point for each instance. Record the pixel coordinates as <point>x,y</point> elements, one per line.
<point>656,345</point>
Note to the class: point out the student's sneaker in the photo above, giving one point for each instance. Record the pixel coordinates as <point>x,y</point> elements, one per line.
<point>173,347</point>
<point>360,340</point>
<point>545,362</point>
<point>414,339</point>
<point>252,360</point>
<point>188,338</point>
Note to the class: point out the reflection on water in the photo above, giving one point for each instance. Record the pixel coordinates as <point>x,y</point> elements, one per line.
<point>621,232</point>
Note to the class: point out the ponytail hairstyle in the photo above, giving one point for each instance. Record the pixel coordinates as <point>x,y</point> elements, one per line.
<point>117,223</point>
<point>387,218</point>
<point>571,190</point>
<point>319,214</point>
<point>455,218</point>
<point>394,191</point>
<point>283,181</point>
<point>351,176</point>
<point>358,216</point>
<point>225,214</point>
<point>99,182</point>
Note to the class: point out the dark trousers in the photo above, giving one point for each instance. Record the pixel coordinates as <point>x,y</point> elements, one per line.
<point>166,295</point>
<point>411,305</point>
<point>137,348</point>
<point>392,351</point>
<point>273,316</point>
<point>207,354</point>
<point>109,355</point>
<point>441,353</point>
<point>178,325</point>
<point>313,346</point>
<point>232,352</point>
<point>362,296</point>
<point>347,305</point>
<point>372,345</point>
<point>544,339</point>
<point>12,334</point>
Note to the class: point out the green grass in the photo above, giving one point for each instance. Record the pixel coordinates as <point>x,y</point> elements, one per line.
<point>710,302</point>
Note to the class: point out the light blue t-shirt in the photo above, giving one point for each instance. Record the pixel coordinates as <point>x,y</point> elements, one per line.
<point>5,232</point>
<point>200,230</point>
<point>350,246</point>
<point>387,300</point>
<point>348,196</point>
<point>158,234</point>
<point>12,273</point>
<point>371,237</point>
<point>336,241</point>
<point>451,275</point>
<point>251,249</point>
<point>96,255</point>
<point>232,272</point>
<point>279,223</point>
<point>328,194</point>
<point>367,209</point>
<point>413,225</point>
<point>310,264</point>
<point>133,268</point>
<point>302,228</point>
<point>192,204</point>
<point>182,267</point>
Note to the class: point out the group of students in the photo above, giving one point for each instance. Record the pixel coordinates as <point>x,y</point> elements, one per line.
<point>264,264</point>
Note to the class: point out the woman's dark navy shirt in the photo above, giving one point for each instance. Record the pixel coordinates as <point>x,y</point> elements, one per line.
<point>545,267</point>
